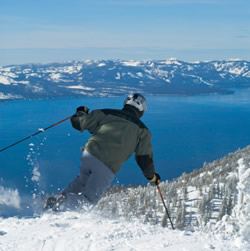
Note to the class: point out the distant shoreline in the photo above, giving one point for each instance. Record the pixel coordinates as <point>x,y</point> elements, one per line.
<point>115,96</point>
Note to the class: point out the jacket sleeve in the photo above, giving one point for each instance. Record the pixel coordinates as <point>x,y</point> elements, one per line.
<point>144,155</point>
<point>82,121</point>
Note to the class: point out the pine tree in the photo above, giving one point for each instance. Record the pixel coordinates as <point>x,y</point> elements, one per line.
<point>180,215</point>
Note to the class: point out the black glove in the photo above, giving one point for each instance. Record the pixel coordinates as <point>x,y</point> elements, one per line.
<point>156,179</point>
<point>82,109</point>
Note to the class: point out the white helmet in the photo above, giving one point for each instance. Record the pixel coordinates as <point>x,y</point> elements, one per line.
<point>136,100</point>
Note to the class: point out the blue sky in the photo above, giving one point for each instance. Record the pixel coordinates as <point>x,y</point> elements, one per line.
<point>58,30</point>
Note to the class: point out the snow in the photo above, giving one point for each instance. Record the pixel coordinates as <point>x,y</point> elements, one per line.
<point>237,71</point>
<point>243,208</point>
<point>232,68</point>
<point>27,71</point>
<point>9,96</point>
<point>190,68</point>
<point>172,61</point>
<point>199,79</point>
<point>132,75</point>
<point>71,69</point>
<point>23,82</point>
<point>8,69</point>
<point>237,225</point>
<point>5,80</point>
<point>42,76</point>
<point>36,175</point>
<point>90,231</point>
<point>37,89</point>
<point>131,63</point>
<point>101,64</point>
<point>55,76</point>
<point>118,75</point>
<point>9,197</point>
<point>81,87</point>
<point>193,193</point>
<point>247,74</point>
<point>139,74</point>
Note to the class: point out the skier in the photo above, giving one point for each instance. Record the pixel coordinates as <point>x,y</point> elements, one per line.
<point>116,135</point>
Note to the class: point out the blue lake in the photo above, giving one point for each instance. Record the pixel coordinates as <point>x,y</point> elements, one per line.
<point>187,131</point>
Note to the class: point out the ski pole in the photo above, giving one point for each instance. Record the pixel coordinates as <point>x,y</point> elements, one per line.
<point>40,131</point>
<point>165,206</point>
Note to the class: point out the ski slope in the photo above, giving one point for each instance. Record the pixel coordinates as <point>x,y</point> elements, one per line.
<point>90,231</point>
<point>118,222</point>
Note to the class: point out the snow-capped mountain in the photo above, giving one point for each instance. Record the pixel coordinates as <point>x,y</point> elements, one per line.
<point>119,77</point>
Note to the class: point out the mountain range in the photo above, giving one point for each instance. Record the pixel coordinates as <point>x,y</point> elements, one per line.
<point>120,77</point>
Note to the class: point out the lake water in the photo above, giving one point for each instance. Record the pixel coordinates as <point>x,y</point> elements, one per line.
<point>187,131</point>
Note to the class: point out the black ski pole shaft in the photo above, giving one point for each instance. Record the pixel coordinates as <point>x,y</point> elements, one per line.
<point>165,206</point>
<point>40,131</point>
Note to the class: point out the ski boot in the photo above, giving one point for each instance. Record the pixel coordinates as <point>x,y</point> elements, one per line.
<point>54,202</point>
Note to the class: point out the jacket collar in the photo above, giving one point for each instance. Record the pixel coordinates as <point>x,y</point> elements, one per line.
<point>130,109</point>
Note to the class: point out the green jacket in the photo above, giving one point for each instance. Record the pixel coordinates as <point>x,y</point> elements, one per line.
<point>117,134</point>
